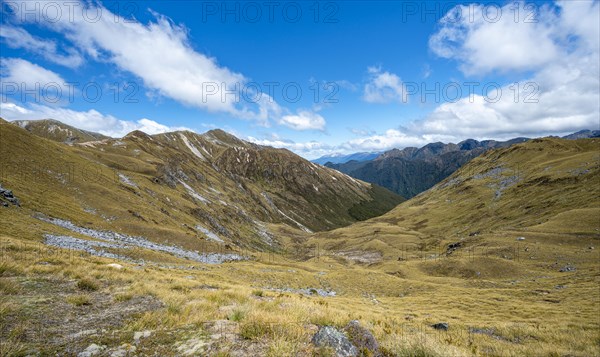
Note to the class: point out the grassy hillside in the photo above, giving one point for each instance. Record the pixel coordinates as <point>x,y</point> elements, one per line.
<point>511,239</point>
<point>515,188</point>
<point>182,185</point>
<point>453,254</point>
<point>57,131</point>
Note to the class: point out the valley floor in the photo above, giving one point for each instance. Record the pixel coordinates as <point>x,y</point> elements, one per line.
<point>499,296</point>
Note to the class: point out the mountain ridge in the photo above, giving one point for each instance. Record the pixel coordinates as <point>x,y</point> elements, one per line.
<point>343,158</point>
<point>412,170</point>
<point>58,131</point>
<point>240,191</point>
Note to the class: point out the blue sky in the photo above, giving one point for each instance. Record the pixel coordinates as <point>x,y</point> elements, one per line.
<point>372,75</point>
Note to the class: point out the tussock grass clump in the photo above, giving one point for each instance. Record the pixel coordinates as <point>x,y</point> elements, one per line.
<point>237,315</point>
<point>9,287</point>
<point>253,330</point>
<point>87,284</point>
<point>419,345</point>
<point>9,269</point>
<point>123,297</point>
<point>180,288</point>
<point>281,347</point>
<point>79,300</point>
<point>11,346</point>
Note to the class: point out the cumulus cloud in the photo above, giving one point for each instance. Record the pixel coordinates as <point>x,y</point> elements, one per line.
<point>561,49</point>
<point>379,142</point>
<point>309,149</point>
<point>161,55</point>
<point>16,37</point>
<point>304,120</point>
<point>24,73</point>
<point>501,41</point>
<point>384,87</point>
<point>91,120</point>
<point>30,82</point>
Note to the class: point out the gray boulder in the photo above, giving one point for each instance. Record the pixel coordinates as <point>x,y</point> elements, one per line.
<point>441,326</point>
<point>15,201</point>
<point>8,195</point>
<point>328,336</point>
<point>363,339</point>
<point>567,268</point>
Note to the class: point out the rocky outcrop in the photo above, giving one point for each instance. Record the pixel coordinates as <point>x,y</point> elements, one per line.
<point>7,196</point>
<point>362,339</point>
<point>441,326</point>
<point>353,340</point>
<point>330,337</point>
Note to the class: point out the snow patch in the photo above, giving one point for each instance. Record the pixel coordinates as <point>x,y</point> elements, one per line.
<point>193,193</point>
<point>210,235</point>
<point>126,180</point>
<point>263,233</point>
<point>191,147</point>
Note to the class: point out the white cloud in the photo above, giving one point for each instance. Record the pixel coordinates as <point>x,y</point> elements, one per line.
<point>29,82</point>
<point>19,38</point>
<point>91,120</point>
<point>512,42</point>
<point>561,48</point>
<point>384,87</point>
<point>427,71</point>
<point>12,110</point>
<point>304,120</point>
<point>161,55</point>
<point>24,73</point>
<point>310,149</point>
<point>378,142</point>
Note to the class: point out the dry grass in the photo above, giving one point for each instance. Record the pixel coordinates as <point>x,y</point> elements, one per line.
<point>511,293</point>
<point>79,300</point>
<point>516,319</point>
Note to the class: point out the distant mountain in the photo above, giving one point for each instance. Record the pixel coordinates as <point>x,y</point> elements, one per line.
<point>341,158</point>
<point>583,134</point>
<point>412,170</point>
<point>57,131</point>
<point>545,185</point>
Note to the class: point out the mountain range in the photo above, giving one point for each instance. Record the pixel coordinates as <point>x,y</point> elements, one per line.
<point>180,183</point>
<point>204,244</point>
<point>342,158</point>
<point>412,170</point>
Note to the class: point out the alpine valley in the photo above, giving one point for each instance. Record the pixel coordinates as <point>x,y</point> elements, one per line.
<point>205,244</point>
